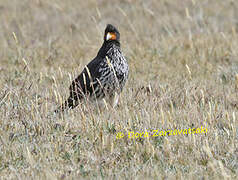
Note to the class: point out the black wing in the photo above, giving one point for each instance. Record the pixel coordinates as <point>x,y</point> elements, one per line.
<point>88,81</point>
<point>83,85</point>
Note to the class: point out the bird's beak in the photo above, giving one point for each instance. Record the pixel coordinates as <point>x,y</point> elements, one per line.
<point>111,36</point>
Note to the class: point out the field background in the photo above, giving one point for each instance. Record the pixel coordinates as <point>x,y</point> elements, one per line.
<point>183,57</point>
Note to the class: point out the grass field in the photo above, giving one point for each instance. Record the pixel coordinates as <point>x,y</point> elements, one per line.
<point>183,58</point>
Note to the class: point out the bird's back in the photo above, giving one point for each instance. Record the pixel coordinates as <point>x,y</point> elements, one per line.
<point>104,75</point>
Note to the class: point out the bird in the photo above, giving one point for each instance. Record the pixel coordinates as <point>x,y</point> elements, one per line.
<point>104,77</point>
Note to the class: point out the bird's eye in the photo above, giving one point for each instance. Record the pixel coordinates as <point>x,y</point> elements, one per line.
<point>111,36</point>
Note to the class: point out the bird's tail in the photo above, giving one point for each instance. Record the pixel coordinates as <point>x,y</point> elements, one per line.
<point>70,103</point>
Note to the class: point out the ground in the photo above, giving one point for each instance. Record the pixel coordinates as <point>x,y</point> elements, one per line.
<point>183,58</point>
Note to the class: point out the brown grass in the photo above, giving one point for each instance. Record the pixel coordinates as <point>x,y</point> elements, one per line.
<point>183,74</point>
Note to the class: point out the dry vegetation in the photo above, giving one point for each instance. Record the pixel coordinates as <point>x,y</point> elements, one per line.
<point>183,57</point>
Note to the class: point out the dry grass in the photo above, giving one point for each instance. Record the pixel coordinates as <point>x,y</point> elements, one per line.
<point>183,58</point>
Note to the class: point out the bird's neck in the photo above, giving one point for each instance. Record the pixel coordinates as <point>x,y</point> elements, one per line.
<point>106,46</point>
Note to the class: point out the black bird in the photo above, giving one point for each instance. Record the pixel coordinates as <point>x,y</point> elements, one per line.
<point>105,76</point>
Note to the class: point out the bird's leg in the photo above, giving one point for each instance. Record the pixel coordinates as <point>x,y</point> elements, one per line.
<point>114,100</point>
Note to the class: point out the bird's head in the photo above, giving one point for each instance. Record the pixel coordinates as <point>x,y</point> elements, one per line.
<point>111,34</point>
